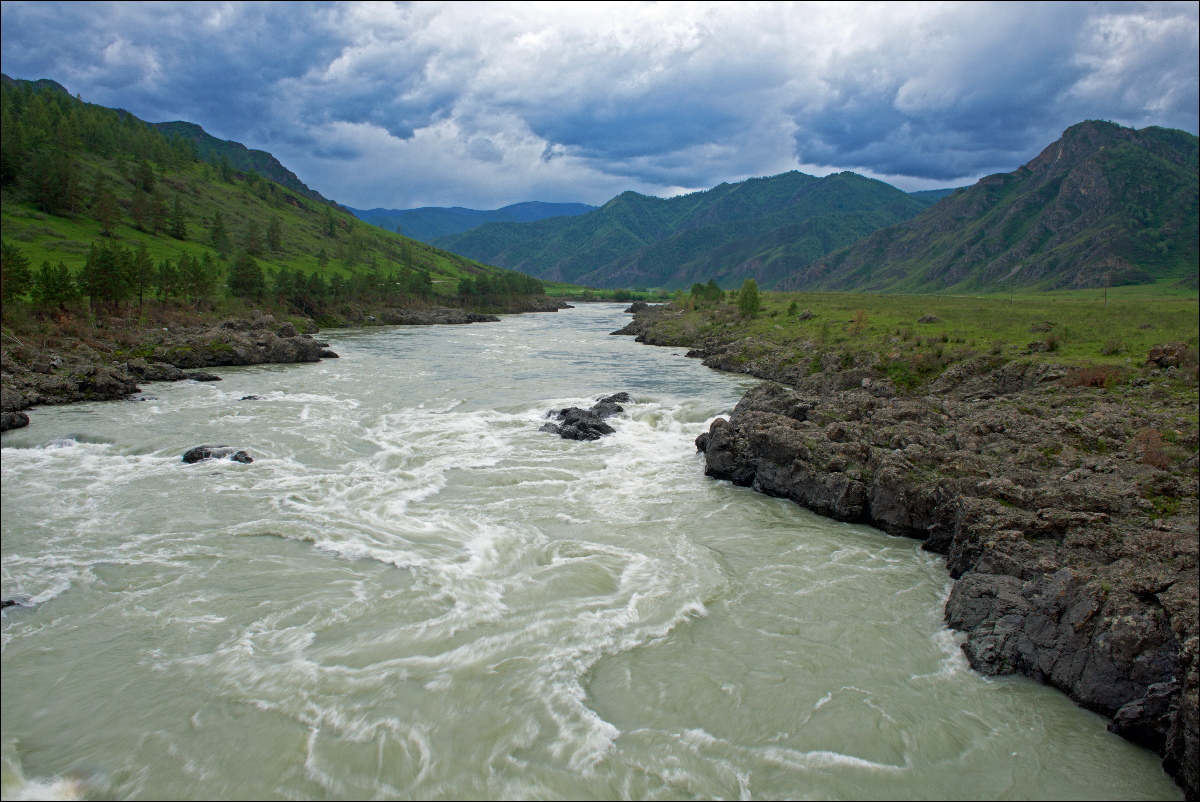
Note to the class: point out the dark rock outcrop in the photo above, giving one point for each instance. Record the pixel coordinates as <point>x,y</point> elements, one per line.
<point>13,420</point>
<point>1075,561</point>
<point>202,453</point>
<point>587,424</point>
<point>438,316</point>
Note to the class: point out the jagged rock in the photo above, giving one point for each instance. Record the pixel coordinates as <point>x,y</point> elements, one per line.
<point>202,453</point>
<point>201,376</point>
<point>287,330</point>
<point>327,354</point>
<point>1168,355</point>
<point>155,371</point>
<point>438,316</point>
<point>13,420</point>
<point>587,424</point>
<point>929,319</point>
<point>248,398</point>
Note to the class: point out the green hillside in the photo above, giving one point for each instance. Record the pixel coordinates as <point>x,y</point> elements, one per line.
<point>96,189</point>
<point>730,232</point>
<point>1103,204</point>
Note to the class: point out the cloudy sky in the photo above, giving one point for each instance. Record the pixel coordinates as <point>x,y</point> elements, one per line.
<point>481,105</point>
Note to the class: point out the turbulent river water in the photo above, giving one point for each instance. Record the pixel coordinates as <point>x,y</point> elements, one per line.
<point>413,592</point>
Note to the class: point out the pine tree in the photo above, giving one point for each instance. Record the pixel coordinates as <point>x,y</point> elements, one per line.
<point>252,240</point>
<point>160,214</point>
<point>274,234</point>
<point>106,210</point>
<point>217,235</point>
<point>166,280</point>
<point>53,286</point>
<point>141,271</point>
<point>178,221</point>
<point>15,276</point>
<point>246,278</point>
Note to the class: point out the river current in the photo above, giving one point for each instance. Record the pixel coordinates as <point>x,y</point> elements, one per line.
<point>412,592</point>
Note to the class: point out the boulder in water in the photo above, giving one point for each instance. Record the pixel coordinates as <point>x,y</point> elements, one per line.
<point>586,424</point>
<point>202,453</point>
<point>13,420</point>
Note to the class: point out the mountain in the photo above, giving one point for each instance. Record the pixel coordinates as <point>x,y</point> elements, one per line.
<point>77,177</point>
<point>428,222</point>
<point>242,158</point>
<point>1103,203</point>
<point>764,228</point>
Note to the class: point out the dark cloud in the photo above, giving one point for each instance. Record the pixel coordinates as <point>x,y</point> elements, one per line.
<point>482,105</point>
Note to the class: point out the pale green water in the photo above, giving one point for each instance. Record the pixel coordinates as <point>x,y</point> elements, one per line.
<point>414,593</point>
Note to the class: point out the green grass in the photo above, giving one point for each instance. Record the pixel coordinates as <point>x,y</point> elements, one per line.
<point>1084,328</point>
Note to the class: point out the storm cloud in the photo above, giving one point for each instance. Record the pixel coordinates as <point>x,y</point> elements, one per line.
<point>401,105</point>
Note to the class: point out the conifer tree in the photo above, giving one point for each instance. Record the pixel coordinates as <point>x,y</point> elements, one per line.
<point>15,276</point>
<point>274,234</point>
<point>166,280</point>
<point>178,221</point>
<point>252,240</point>
<point>106,210</point>
<point>217,235</point>
<point>53,286</point>
<point>246,278</point>
<point>160,214</point>
<point>141,271</point>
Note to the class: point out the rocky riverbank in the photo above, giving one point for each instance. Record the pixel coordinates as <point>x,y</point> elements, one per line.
<point>1067,511</point>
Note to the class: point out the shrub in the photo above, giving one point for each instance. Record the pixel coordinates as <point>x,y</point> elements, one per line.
<point>997,347</point>
<point>1112,346</point>
<point>1095,376</point>
<point>1053,341</point>
<point>859,323</point>
<point>1150,443</point>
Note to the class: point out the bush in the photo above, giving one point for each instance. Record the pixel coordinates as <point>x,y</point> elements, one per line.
<point>1150,443</point>
<point>1095,376</point>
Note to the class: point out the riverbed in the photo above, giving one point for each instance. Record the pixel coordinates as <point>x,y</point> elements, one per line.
<point>413,592</point>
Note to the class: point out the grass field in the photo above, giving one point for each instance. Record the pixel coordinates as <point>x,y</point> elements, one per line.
<point>1076,327</point>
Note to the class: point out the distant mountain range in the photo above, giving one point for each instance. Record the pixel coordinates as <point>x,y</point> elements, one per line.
<point>1102,204</point>
<point>428,222</point>
<point>764,228</point>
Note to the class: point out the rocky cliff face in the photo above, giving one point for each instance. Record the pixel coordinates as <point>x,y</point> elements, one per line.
<point>1070,529</point>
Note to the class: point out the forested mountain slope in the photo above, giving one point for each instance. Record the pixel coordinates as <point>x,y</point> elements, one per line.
<point>1102,204</point>
<point>428,222</point>
<point>763,228</point>
<point>114,210</point>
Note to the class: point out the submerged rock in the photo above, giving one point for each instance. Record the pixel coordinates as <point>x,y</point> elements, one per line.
<point>202,453</point>
<point>201,376</point>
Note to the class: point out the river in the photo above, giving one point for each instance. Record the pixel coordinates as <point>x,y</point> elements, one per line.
<point>412,592</point>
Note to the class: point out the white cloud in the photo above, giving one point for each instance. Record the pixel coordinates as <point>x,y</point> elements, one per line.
<point>486,104</point>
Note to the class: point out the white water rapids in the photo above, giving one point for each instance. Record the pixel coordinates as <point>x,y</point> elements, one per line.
<point>412,592</point>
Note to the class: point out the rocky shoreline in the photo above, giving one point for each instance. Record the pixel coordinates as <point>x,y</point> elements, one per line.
<point>109,368</point>
<point>1068,516</point>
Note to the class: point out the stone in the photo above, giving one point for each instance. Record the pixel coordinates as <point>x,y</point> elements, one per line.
<point>202,453</point>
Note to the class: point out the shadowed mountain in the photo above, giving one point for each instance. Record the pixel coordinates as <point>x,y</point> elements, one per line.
<point>1103,203</point>
<point>428,222</point>
<point>764,228</point>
